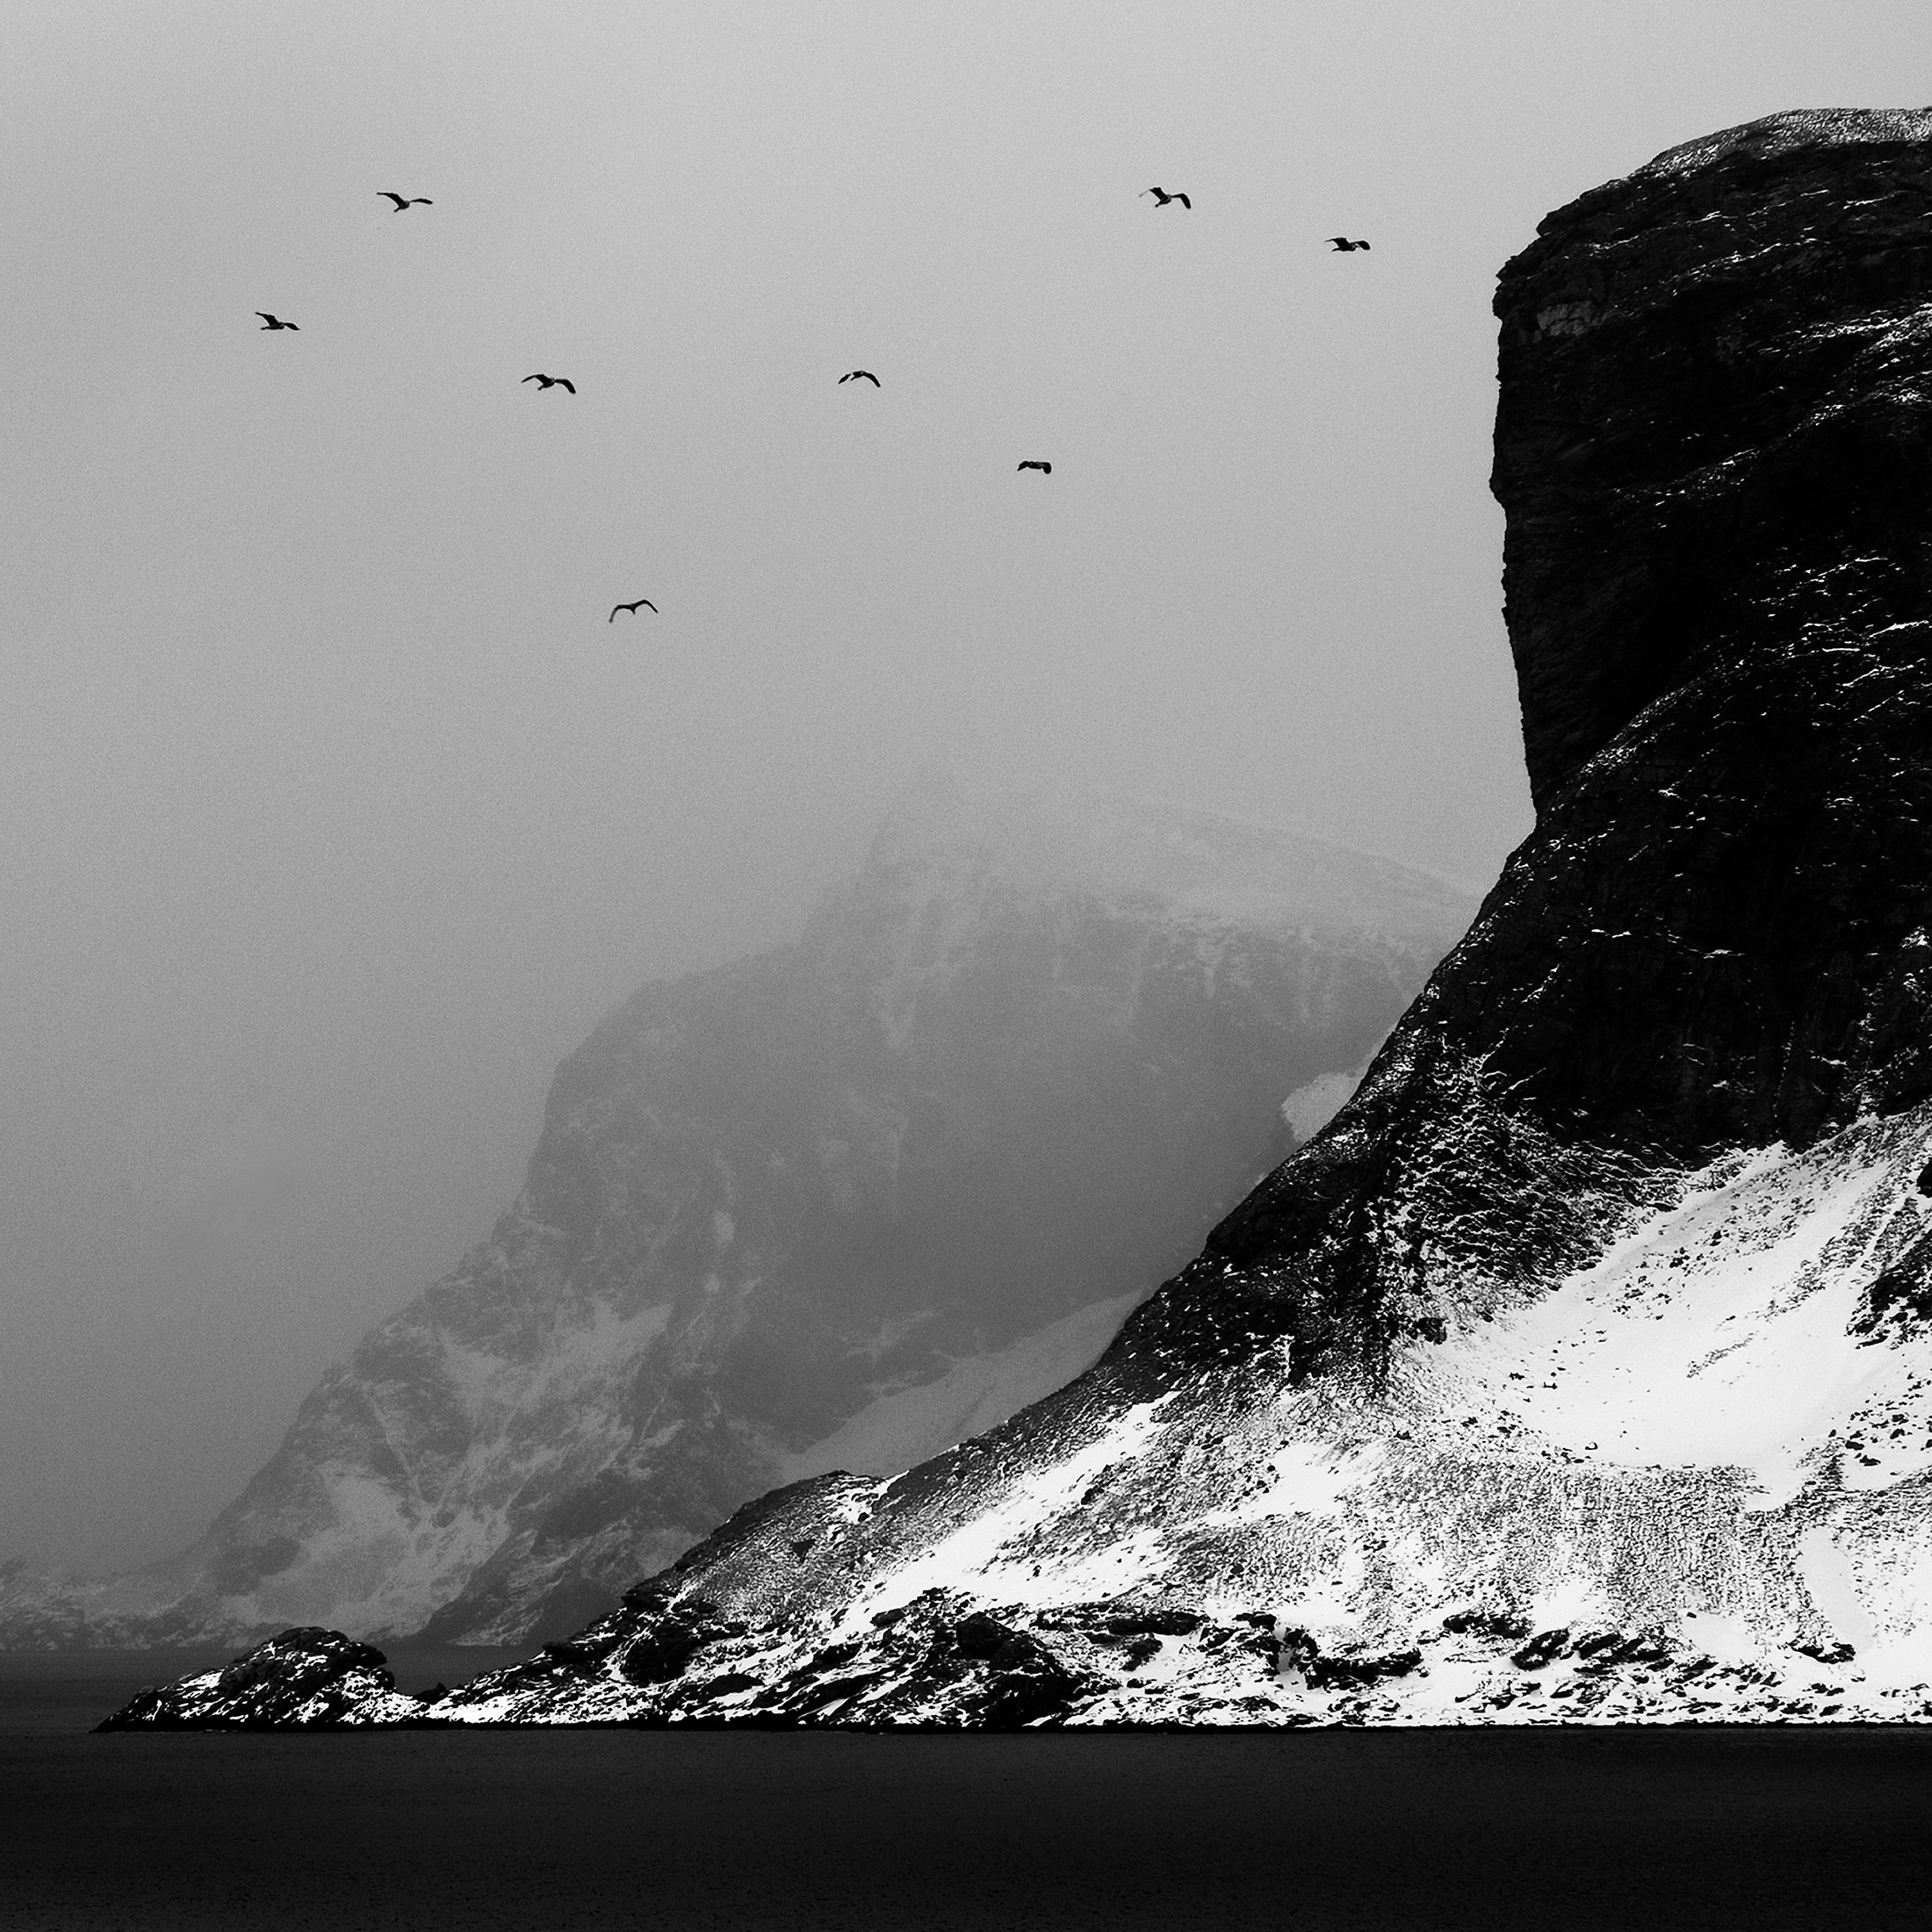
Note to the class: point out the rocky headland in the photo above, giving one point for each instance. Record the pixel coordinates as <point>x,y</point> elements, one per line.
<point>1579,1370</point>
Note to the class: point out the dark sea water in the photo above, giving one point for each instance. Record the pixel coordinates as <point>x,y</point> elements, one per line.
<point>541,1830</point>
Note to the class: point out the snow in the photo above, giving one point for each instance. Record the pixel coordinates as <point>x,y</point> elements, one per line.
<point>976,1393</point>
<point>1678,1485</point>
<point>1310,1108</point>
<point>991,1550</point>
<point>1715,1334</point>
<point>1687,1436</point>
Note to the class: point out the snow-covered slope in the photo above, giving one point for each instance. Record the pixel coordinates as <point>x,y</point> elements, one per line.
<point>1580,1368</point>
<point>843,1203</point>
<point>1691,1480</point>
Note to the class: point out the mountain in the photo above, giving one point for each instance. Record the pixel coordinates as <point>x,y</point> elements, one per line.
<point>1580,1368</point>
<point>836,1206</point>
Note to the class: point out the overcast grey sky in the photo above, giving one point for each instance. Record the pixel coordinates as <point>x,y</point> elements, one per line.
<point>336,812</point>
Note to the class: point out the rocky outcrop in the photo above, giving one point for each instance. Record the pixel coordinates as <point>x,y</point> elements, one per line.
<point>302,1680</point>
<point>1713,447</point>
<point>839,1205</point>
<point>1577,1371</point>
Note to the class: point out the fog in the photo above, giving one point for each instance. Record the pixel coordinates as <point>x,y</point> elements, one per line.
<point>337,812</point>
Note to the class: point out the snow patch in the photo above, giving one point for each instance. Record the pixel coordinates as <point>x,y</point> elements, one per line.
<point>1310,1108</point>
<point>976,1393</point>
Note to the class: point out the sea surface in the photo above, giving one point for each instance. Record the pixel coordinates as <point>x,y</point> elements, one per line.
<point>549,1831</point>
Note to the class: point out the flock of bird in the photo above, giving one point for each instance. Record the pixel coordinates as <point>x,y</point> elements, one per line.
<point>404,202</point>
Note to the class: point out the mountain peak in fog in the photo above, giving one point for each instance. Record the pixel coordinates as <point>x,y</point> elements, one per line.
<point>835,1205</point>
<point>1198,864</point>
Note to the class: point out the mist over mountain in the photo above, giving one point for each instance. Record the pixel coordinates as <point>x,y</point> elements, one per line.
<point>834,1206</point>
<point>1580,1367</point>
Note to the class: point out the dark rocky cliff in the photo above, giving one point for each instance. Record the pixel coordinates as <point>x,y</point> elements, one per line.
<point>1714,446</point>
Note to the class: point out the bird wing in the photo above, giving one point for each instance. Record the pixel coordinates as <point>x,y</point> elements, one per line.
<point>845,378</point>
<point>424,201</point>
<point>645,601</point>
<point>537,379</point>
<point>264,315</point>
<point>615,608</point>
<point>389,194</point>
<point>1184,201</point>
<point>869,377</point>
<point>564,382</point>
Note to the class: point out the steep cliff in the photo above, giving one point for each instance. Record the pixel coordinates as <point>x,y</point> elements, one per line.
<point>1580,1369</point>
<point>1712,445</point>
<point>839,1205</point>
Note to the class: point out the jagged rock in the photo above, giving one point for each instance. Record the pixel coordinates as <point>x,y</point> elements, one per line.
<point>1604,1649</point>
<point>1834,1653</point>
<point>1023,1682</point>
<point>1540,1649</point>
<point>663,1651</point>
<point>307,1679</point>
<point>1158,1623</point>
<point>1485,1624</point>
<point>1898,1304</point>
<point>1299,1651</point>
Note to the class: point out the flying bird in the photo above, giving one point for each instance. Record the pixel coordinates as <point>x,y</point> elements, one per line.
<point>1342,245</point>
<point>554,382</point>
<point>405,202</point>
<point>632,607</point>
<point>269,321</point>
<point>1045,469</point>
<point>857,373</point>
<point>1162,197</point>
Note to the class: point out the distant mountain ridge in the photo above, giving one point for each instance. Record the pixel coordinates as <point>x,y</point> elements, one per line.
<point>836,1205</point>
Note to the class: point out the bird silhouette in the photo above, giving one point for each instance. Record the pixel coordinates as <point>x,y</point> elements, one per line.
<point>1045,469</point>
<point>554,382</point>
<point>1342,245</point>
<point>269,321</point>
<point>857,373</point>
<point>632,607</point>
<point>1162,197</point>
<point>405,202</point>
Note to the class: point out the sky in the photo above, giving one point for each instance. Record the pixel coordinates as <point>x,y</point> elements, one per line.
<point>336,812</point>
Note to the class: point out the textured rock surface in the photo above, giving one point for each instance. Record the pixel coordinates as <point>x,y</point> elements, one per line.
<point>1713,446</point>
<point>841,1204</point>
<point>302,1680</point>
<point>1579,1370</point>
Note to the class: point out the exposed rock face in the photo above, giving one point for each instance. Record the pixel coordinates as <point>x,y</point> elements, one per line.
<point>1579,1370</point>
<point>842,1204</point>
<point>302,1680</point>
<point>1713,446</point>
